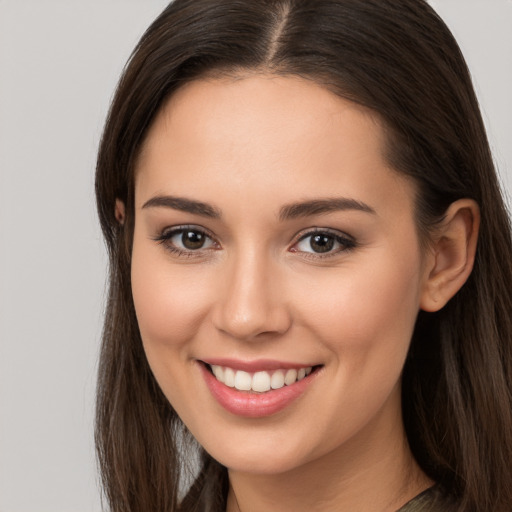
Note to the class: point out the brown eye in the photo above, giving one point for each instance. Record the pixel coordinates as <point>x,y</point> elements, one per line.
<point>324,243</point>
<point>186,241</point>
<point>193,240</point>
<point>321,243</point>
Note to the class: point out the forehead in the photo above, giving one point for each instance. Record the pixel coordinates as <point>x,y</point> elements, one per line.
<point>263,136</point>
<point>288,109</point>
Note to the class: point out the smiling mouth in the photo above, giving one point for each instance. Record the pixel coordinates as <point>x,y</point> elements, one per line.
<point>261,381</point>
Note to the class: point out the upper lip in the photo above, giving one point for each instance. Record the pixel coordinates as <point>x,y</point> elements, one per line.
<point>256,365</point>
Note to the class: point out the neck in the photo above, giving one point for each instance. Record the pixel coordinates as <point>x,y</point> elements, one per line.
<point>375,472</point>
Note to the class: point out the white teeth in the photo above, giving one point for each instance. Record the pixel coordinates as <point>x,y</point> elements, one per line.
<point>218,372</point>
<point>277,380</point>
<point>243,381</point>
<point>259,382</point>
<point>229,377</point>
<point>290,377</point>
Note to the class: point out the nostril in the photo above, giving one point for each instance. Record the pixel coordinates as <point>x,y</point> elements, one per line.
<point>249,308</point>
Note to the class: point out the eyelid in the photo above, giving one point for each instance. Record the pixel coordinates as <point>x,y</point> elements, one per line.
<point>169,232</point>
<point>347,241</point>
<point>315,230</point>
<point>173,230</point>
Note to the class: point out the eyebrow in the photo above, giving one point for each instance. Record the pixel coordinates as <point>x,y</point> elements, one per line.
<point>322,206</point>
<point>184,205</point>
<point>287,212</point>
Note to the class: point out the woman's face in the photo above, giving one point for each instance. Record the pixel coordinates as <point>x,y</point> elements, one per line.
<point>273,241</point>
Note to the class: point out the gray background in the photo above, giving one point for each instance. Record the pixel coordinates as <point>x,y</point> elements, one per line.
<point>59,62</point>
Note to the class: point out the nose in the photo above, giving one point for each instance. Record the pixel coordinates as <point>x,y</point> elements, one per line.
<point>251,304</point>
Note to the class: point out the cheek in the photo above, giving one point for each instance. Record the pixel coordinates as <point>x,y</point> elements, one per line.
<point>170,306</point>
<point>168,300</point>
<point>366,309</point>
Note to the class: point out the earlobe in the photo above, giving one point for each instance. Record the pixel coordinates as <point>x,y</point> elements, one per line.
<point>120,211</point>
<point>453,254</point>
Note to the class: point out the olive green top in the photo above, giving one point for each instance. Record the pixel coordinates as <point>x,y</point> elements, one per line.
<point>427,501</point>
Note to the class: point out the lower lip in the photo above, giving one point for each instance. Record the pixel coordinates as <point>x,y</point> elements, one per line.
<point>255,405</point>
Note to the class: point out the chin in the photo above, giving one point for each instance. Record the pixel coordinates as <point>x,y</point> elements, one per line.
<point>259,465</point>
<point>258,457</point>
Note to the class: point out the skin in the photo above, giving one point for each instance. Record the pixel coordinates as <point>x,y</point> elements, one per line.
<point>249,147</point>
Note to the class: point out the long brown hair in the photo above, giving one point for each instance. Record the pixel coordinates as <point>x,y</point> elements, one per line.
<point>399,59</point>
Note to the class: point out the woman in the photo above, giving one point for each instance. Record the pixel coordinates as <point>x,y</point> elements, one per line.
<point>292,194</point>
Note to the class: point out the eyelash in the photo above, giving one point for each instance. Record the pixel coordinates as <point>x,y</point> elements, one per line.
<point>345,242</point>
<point>168,234</point>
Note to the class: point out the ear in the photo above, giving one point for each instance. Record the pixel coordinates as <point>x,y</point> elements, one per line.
<point>120,211</point>
<point>452,255</point>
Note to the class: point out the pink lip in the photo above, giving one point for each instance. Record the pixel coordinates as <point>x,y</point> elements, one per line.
<point>259,365</point>
<point>255,405</point>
